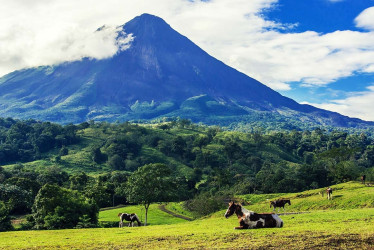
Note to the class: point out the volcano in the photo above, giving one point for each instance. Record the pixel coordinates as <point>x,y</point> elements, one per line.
<point>159,73</point>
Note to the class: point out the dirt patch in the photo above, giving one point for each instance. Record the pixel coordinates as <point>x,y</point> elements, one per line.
<point>163,208</point>
<point>294,213</point>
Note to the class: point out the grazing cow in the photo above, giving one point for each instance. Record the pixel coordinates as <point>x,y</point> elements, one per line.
<point>250,219</point>
<point>329,193</point>
<point>363,178</point>
<point>128,217</point>
<point>280,203</point>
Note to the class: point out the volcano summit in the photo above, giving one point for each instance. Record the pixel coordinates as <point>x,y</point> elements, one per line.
<point>155,73</point>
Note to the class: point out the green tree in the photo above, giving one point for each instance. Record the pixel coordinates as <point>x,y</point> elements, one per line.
<point>53,175</point>
<point>26,184</point>
<point>5,224</point>
<point>96,154</point>
<point>17,199</point>
<point>78,181</point>
<point>101,192</point>
<point>116,162</point>
<point>56,208</point>
<point>150,183</point>
<point>64,151</point>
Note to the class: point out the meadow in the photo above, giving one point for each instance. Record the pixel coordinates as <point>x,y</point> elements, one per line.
<point>327,226</point>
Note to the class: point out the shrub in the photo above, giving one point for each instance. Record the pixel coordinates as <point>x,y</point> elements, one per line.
<point>57,208</point>
<point>5,223</point>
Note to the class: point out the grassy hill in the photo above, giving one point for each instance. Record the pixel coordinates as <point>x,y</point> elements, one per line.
<point>350,195</point>
<point>155,215</point>
<point>347,222</point>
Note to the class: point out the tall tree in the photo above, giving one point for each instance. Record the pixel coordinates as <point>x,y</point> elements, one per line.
<point>150,183</point>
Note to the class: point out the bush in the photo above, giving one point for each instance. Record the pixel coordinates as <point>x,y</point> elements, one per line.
<point>205,203</point>
<point>108,224</point>
<point>57,208</point>
<point>5,224</point>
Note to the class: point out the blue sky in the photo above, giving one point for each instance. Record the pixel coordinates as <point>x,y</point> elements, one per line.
<point>315,51</point>
<point>324,17</point>
<point>319,15</point>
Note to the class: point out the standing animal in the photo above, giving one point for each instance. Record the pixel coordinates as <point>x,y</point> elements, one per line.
<point>280,203</point>
<point>128,217</point>
<point>363,178</point>
<point>329,193</point>
<point>250,219</point>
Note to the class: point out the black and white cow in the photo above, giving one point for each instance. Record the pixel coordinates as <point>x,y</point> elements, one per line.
<point>250,219</point>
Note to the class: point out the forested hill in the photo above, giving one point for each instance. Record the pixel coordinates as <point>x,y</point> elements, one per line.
<point>207,158</point>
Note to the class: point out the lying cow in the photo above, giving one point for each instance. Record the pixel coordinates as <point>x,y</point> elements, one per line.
<point>250,219</point>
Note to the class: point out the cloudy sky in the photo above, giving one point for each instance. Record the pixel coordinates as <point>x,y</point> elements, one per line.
<point>315,51</point>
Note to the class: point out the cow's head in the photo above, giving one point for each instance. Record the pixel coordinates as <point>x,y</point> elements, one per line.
<point>232,209</point>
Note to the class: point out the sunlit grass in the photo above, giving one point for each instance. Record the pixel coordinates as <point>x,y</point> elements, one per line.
<point>320,229</point>
<point>155,215</point>
<point>345,196</point>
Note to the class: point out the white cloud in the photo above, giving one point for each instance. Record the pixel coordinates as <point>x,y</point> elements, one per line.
<point>366,19</point>
<point>358,104</point>
<point>43,32</point>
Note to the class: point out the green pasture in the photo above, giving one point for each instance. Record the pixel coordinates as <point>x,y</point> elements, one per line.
<point>345,196</point>
<point>155,216</point>
<point>340,229</point>
<point>346,222</point>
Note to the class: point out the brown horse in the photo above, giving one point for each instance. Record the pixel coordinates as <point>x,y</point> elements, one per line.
<point>363,178</point>
<point>280,203</point>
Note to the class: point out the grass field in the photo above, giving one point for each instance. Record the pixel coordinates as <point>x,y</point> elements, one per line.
<point>345,196</point>
<point>352,228</point>
<point>347,222</point>
<point>155,216</point>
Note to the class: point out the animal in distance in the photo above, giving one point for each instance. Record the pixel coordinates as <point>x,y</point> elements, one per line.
<point>363,178</point>
<point>329,193</point>
<point>128,217</point>
<point>280,203</point>
<point>249,219</point>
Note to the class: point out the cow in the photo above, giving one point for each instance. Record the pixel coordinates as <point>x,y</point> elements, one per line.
<point>280,203</point>
<point>249,219</point>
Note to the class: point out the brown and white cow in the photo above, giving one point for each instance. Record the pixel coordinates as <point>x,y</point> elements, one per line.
<point>249,219</point>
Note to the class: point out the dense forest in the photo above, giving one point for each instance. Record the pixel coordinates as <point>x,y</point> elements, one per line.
<point>90,165</point>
